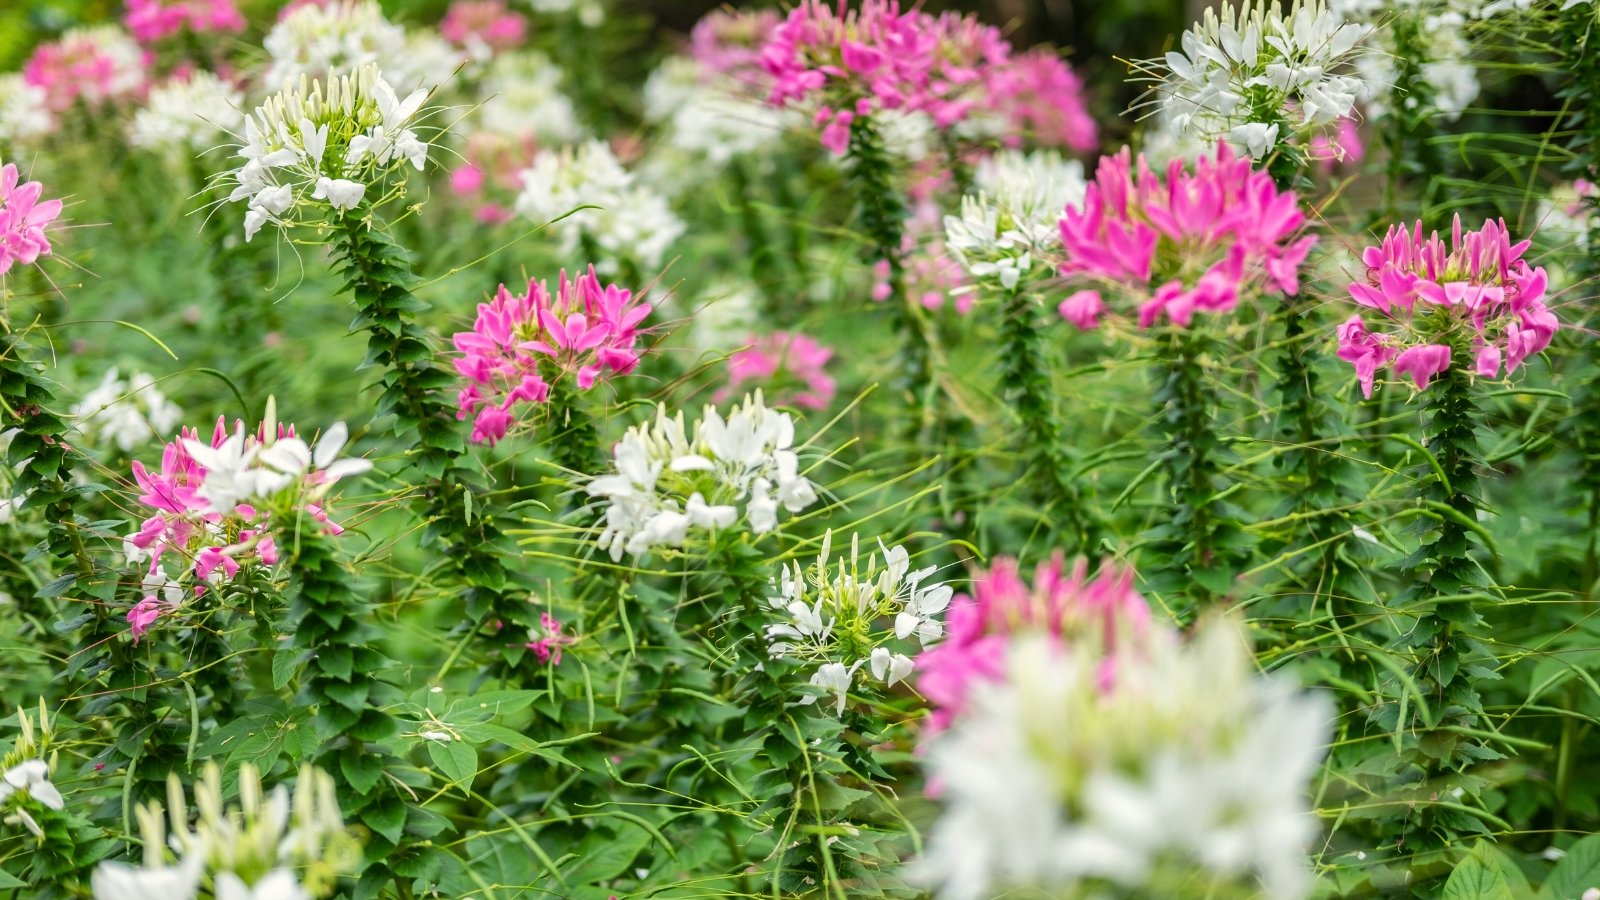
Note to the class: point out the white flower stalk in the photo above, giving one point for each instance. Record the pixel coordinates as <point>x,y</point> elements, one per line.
<point>125,413</point>
<point>522,97</point>
<point>188,116</point>
<point>1175,763</point>
<point>1257,76</point>
<point>1437,45</point>
<point>842,616</point>
<point>732,472</point>
<point>338,38</point>
<point>324,145</point>
<point>630,222</point>
<point>23,114</point>
<point>1007,234</point>
<point>250,852</point>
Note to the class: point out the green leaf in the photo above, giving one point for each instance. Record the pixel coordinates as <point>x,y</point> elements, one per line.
<point>7,880</point>
<point>604,856</point>
<point>361,770</point>
<point>1485,874</point>
<point>1578,871</point>
<point>283,666</point>
<point>458,761</point>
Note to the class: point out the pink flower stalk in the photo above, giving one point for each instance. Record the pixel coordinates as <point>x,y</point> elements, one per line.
<point>95,65</point>
<point>484,23</point>
<point>1107,612</point>
<point>547,640</point>
<point>1476,295</point>
<point>854,63</point>
<point>728,43</point>
<point>521,344</point>
<point>788,365</point>
<point>152,20</point>
<point>23,220</point>
<point>1044,99</point>
<point>1192,241</point>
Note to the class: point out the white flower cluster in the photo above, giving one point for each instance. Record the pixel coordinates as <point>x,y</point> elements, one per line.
<point>522,97</point>
<point>125,413</point>
<point>1083,769</point>
<point>428,61</point>
<point>742,468</point>
<point>23,114</point>
<point>1256,76</point>
<point>188,115</point>
<point>324,142</point>
<point>1437,44</point>
<point>847,617</point>
<point>630,222</point>
<point>708,120</point>
<point>251,852</point>
<point>1011,226</point>
<point>589,13</point>
<point>338,38</point>
<point>245,469</point>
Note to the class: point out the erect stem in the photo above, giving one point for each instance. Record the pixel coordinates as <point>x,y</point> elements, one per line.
<point>1025,370</point>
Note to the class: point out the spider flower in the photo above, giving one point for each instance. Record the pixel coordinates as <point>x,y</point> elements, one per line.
<point>1002,607</point>
<point>186,116</point>
<point>789,365</point>
<point>624,219</point>
<point>92,65</point>
<point>523,344</point>
<point>728,43</point>
<point>1200,240</point>
<point>841,617</point>
<point>670,483</point>
<point>1474,303</point>
<point>336,38</point>
<point>1184,775</point>
<point>23,220</point>
<point>152,20</point>
<point>483,27</point>
<point>320,144</point>
<point>1255,75</point>
<point>1043,101</point>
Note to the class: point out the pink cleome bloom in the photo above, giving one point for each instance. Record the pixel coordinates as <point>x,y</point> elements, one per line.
<point>1044,99</point>
<point>547,640</point>
<point>855,63</point>
<point>1476,293</point>
<point>490,174</point>
<point>152,20</point>
<point>211,548</point>
<point>728,43</point>
<point>788,365</point>
<point>1200,240</point>
<point>23,220</point>
<point>485,23</point>
<point>1345,149</point>
<point>1106,611</point>
<point>94,65</point>
<point>521,344</point>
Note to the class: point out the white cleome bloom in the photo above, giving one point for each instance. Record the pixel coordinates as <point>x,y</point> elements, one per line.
<point>628,220</point>
<point>1256,64</point>
<point>119,881</point>
<point>30,777</point>
<point>666,485</point>
<point>522,97</point>
<point>23,114</point>
<point>324,144</point>
<point>126,414</point>
<point>337,38</point>
<point>1184,761</point>
<point>1432,35</point>
<point>188,115</point>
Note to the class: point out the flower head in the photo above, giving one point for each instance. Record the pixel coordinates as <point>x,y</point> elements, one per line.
<point>1043,102</point>
<point>24,111</point>
<point>92,65</point>
<point>520,345</point>
<point>626,221</point>
<point>1200,240</point>
<point>787,365</point>
<point>125,413</point>
<point>1474,303</point>
<point>319,40</point>
<point>188,115</point>
<point>152,20</point>
<point>23,220</point>
<point>483,27</point>
<point>668,484</point>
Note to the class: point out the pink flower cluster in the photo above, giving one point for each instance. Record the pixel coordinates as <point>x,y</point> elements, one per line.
<point>1057,605</point>
<point>1477,292</point>
<point>728,43</point>
<point>1194,241</point>
<point>1344,149</point>
<point>23,220</point>
<point>483,23</point>
<point>152,20</point>
<point>81,67</point>
<point>1044,100</point>
<point>879,57</point>
<point>490,174</point>
<point>546,641</point>
<point>520,344</point>
<point>787,365</point>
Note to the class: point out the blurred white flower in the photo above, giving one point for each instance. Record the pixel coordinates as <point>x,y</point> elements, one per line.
<point>31,777</point>
<point>23,113</point>
<point>126,414</point>
<point>522,98</point>
<point>319,40</point>
<point>628,221</point>
<point>188,115</point>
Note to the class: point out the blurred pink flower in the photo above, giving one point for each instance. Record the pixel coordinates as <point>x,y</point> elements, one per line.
<point>1344,150</point>
<point>788,365</point>
<point>93,65</point>
<point>728,42</point>
<point>1044,99</point>
<point>23,220</point>
<point>1425,298</point>
<point>522,344</point>
<point>484,22</point>
<point>1205,239</point>
<point>152,20</point>
<point>547,640</point>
